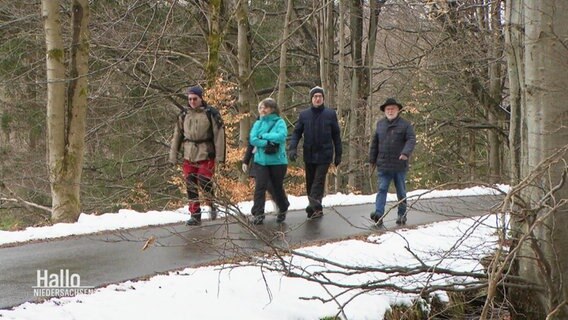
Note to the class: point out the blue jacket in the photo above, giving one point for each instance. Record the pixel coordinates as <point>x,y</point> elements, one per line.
<point>260,135</point>
<point>391,139</point>
<point>321,133</point>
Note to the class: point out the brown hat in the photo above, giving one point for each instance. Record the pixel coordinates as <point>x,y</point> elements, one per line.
<point>389,102</point>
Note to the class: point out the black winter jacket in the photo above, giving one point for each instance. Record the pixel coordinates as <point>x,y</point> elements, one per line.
<point>391,139</point>
<point>321,133</point>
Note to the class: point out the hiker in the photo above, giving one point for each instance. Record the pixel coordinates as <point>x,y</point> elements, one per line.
<point>322,146</point>
<point>391,147</point>
<point>268,138</point>
<point>199,129</point>
<point>248,167</point>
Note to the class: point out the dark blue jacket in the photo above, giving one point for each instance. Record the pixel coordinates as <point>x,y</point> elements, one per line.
<point>321,133</point>
<point>391,139</point>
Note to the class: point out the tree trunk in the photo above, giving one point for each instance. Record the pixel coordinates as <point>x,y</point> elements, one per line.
<point>544,258</point>
<point>354,140</point>
<point>246,93</point>
<point>214,39</point>
<point>514,51</point>
<point>495,113</point>
<point>341,83</point>
<point>66,113</point>
<point>330,31</point>
<point>375,8</point>
<point>283,55</point>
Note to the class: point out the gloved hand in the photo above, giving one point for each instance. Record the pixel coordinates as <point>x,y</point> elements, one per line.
<point>292,155</point>
<point>244,167</point>
<point>337,161</point>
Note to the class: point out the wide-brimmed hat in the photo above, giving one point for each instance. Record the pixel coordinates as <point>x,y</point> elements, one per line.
<point>389,102</point>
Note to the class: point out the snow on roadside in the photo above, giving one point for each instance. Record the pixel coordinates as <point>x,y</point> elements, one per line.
<point>253,292</point>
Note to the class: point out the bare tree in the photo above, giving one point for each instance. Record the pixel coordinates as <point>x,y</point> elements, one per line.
<point>514,50</point>
<point>246,93</point>
<point>282,79</point>
<point>357,102</point>
<point>66,106</point>
<point>543,218</point>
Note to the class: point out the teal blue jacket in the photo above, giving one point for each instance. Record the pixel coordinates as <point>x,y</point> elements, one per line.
<point>259,137</point>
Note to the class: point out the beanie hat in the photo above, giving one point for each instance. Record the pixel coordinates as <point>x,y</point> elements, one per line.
<point>315,90</point>
<point>196,90</point>
<point>389,102</point>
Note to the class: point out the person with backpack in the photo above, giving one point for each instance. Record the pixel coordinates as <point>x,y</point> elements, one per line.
<point>268,138</point>
<point>391,147</point>
<point>319,127</point>
<point>200,131</point>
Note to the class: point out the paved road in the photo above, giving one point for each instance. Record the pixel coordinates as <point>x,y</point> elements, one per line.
<point>118,256</point>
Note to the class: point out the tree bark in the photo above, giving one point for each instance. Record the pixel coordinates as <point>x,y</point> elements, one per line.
<point>214,39</point>
<point>514,52</point>
<point>66,112</point>
<point>341,83</point>
<point>246,93</point>
<point>357,103</point>
<point>495,115</point>
<point>544,259</point>
<point>283,55</point>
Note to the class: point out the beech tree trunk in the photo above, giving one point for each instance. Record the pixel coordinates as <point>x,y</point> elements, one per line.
<point>544,256</point>
<point>283,55</point>
<point>515,68</point>
<point>214,39</point>
<point>66,106</point>
<point>246,91</point>
<point>357,103</point>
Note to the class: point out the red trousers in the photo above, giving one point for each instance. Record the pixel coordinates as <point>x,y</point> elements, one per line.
<point>198,176</point>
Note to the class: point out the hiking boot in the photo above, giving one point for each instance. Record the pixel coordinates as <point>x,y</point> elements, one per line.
<point>195,220</point>
<point>316,215</point>
<point>376,217</point>
<point>281,217</point>
<point>259,219</point>
<point>401,220</point>
<point>309,211</point>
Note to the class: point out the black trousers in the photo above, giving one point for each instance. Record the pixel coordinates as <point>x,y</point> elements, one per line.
<point>264,176</point>
<point>315,183</point>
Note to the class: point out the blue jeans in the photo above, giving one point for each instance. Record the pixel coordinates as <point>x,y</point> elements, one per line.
<point>384,180</point>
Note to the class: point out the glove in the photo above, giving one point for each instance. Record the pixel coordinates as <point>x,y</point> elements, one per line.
<point>292,155</point>
<point>244,167</point>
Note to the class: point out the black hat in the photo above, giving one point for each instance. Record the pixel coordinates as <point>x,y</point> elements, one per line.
<point>196,90</point>
<point>390,101</point>
<point>315,90</point>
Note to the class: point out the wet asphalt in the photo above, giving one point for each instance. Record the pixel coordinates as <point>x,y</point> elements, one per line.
<point>116,256</point>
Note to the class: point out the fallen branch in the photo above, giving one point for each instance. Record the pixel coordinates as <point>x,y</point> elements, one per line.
<point>26,203</point>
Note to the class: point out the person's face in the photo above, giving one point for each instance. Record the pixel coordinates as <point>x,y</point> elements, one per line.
<point>193,100</point>
<point>391,111</point>
<point>317,99</point>
<point>264,110</point>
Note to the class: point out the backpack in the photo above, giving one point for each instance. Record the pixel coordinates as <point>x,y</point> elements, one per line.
<point>212,114</point>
